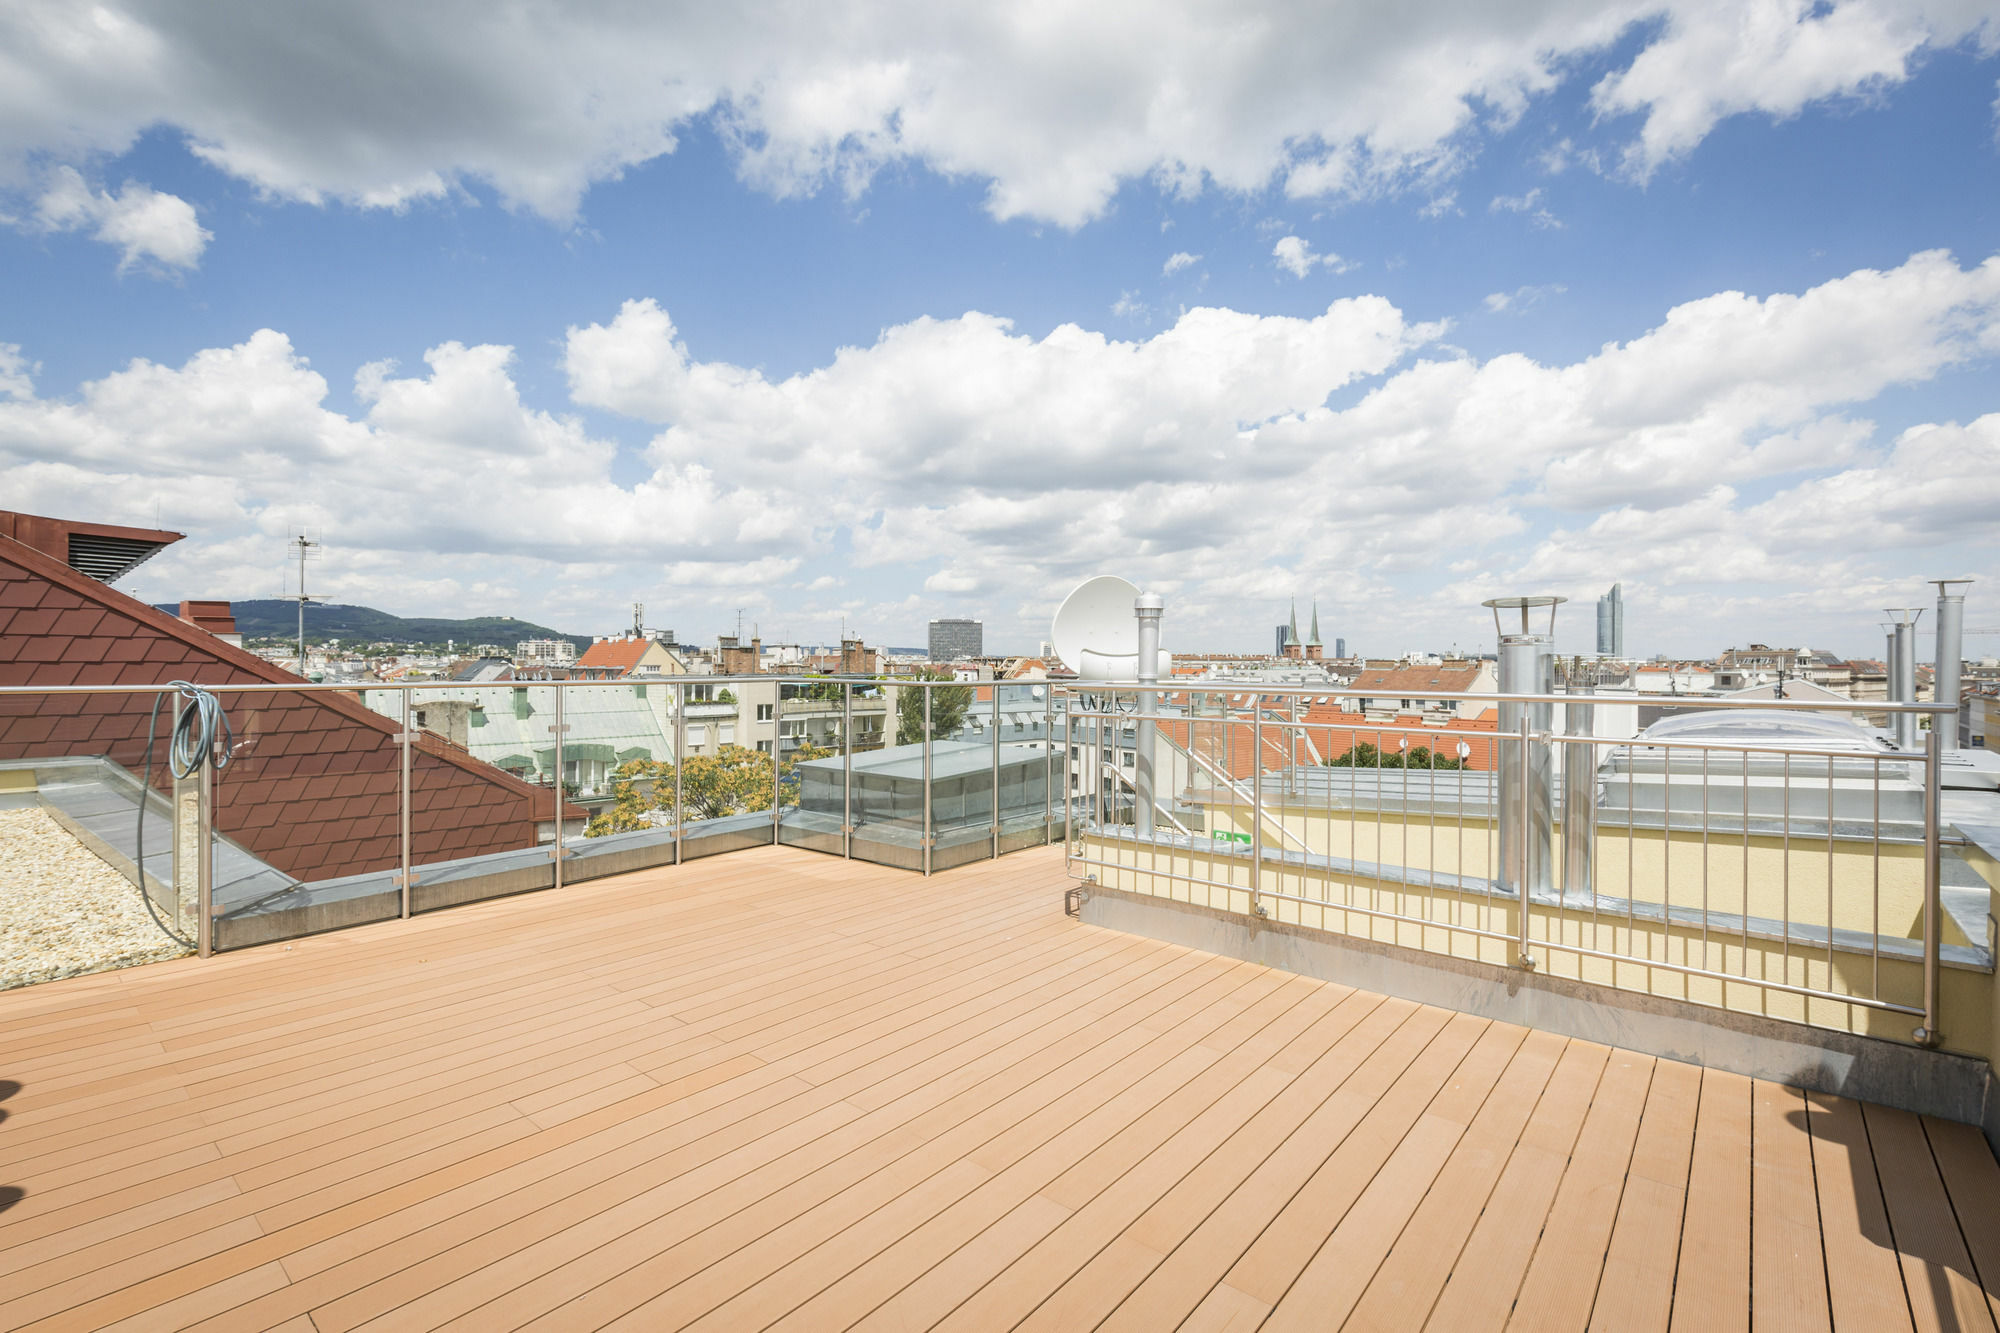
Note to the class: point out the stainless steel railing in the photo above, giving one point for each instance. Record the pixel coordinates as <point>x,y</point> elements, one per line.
<point>1703,865</point>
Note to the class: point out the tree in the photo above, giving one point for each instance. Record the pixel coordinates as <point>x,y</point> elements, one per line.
<point>949,704</point>
<point>1366,755</point>
<point>732,781</point>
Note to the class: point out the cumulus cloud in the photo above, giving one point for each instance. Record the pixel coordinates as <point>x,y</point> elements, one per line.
<point>1228,459</point>
<point>146,225</point>
<point>1177,261</point>
<point>17,377</point>
<point>1294,254</point>
<point>384,105</point>
<point>1776,57</point>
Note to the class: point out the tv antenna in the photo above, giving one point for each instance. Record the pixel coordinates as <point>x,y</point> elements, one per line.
<point>303,548</point>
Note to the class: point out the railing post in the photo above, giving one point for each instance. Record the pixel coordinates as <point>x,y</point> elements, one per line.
<point>927,777</point>
<point>1048,756</point>
<point>1928,1034</point>
<point>1523,871</point>
<point>777,743</point>
<point>996,770</point>
<point>204,854</point>
<point>557,728</point>
<point>680,761</point>
<point>1257,807</point>
<point>847,770</point>
<point>408,739</point>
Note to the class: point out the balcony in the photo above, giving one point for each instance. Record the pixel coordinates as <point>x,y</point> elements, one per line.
<point>1288,1069</point>
<point>779,1090</point>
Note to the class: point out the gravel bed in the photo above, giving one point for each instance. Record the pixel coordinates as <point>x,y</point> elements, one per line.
<point>63,911</point>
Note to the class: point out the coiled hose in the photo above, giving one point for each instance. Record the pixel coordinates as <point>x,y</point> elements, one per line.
<point>199,721</point>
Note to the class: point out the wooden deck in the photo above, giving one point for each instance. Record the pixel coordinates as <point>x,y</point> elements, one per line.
<point>776,1089</point>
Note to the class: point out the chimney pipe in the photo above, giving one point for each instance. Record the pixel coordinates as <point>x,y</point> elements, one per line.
<point>1950,658</point>
<point>1526,666</point>
<point>1903,673</point>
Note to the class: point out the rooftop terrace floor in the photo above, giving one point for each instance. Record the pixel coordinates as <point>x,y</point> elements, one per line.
<point>779,1089</point>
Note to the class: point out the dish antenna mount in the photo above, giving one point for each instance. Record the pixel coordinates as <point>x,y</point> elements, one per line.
<point>1107,630</point>
<point>1096,631</point>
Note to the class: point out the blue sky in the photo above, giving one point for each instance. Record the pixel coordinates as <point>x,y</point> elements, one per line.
<point>1392,393</point>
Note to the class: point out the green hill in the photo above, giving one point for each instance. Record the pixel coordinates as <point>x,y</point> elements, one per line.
<point>275,618</point>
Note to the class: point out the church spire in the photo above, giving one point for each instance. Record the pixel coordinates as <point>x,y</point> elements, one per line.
<point>1313,642</point>
<point>1292,634</point>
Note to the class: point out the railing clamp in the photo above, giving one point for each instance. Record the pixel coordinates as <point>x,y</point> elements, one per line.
<point>1926,1037</point>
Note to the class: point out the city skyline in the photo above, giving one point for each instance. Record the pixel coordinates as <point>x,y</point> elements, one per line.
<point>1592,299</point>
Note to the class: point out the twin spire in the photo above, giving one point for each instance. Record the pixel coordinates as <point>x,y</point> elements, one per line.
<point>1292,634</point>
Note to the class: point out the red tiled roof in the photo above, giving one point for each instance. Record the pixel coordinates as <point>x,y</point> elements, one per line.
<point>615,654</point>
<point>313,784</point>
<point>1417,679</point>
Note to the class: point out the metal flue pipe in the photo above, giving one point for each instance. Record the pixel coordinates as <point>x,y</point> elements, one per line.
<point>1903,674</point>
<point>1950,657</point>
<point>1147,607</point>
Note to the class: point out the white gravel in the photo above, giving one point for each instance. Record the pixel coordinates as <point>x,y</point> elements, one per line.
<point>63,911</point>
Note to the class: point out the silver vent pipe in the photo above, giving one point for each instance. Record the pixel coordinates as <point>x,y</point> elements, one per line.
<point>1903,674</point>
<point>1950,660</point>
<point>1527,799</point>
<point>1579,815</point>
<point>1147,607</point>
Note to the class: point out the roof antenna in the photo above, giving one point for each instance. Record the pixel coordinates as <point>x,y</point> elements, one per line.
<point>305,548</point>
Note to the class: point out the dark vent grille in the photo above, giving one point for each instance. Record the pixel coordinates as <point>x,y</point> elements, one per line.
<point>107,558</point>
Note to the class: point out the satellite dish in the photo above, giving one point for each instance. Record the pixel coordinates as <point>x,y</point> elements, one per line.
<point>1095,633</point>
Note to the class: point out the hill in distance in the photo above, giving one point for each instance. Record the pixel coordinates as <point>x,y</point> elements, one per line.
<point>276,618</point>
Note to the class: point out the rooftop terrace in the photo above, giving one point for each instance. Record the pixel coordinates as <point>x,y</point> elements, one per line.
<point>780,1089</point>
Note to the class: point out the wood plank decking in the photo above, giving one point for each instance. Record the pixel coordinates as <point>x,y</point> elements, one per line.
<point>776,1089</point>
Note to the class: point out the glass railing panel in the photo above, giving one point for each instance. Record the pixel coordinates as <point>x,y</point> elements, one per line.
<point>618,765</point>
<point>1030,813</point>
<point>815,720</point>
<point>965,753</point>
<point>88,873</point>
<point>886,784</point>
<point>307,823</point>
<point>486,789</point>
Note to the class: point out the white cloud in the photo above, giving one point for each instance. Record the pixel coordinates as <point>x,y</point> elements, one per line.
<point>141,221</point>
<point>1777,57</point>
<point>1229,458</point>
<point>17,377</point>
<point>1129,306</point>
<point>1522,297</point>
<point>384,105</point>
<point>1177,261</point>
<point>1294,254</point>
<point>1530,204</point>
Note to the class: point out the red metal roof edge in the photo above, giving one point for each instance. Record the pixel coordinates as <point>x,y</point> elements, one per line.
<point>173,627</point>
<point>10,520</point>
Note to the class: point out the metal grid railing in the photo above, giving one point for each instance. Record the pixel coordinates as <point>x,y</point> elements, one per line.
<point>1786,863</point>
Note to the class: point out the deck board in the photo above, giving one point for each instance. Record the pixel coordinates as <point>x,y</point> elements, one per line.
<point>777,1089</point>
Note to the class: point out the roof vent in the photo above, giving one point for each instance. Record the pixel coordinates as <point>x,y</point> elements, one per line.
<point>108,558</point>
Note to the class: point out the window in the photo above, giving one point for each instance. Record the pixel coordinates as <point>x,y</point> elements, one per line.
<point>763,747</point>
<point>763,712</point>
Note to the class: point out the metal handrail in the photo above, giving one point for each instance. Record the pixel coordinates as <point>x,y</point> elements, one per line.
<point>1840,767</point>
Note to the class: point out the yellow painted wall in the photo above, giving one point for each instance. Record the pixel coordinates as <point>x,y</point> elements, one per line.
<point>1443,920</point>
